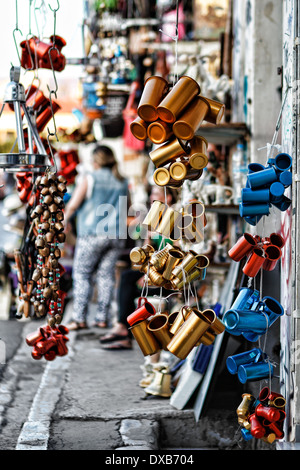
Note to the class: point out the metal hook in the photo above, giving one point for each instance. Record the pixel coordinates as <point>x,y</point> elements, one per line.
<point>54,9</point>
<point>14,35</point>
<point>52,156</point>
<point>53,72</point>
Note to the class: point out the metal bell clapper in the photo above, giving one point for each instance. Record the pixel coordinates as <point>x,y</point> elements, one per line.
<point>22,161</point>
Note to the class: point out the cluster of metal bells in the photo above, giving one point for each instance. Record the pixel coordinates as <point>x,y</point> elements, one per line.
<point>26,159</point>
<point>157,380</point>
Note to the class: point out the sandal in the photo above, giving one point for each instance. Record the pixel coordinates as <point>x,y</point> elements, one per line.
<point>117,346</point>
<point>100,324</point>
<point>112,337</point>
<point>74,325</point>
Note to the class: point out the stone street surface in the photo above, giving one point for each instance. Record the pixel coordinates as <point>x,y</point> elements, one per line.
<point>91,400</point>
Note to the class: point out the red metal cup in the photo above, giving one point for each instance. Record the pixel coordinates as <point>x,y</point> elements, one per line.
<point>273,254</point>
<point>277,239</point>
<point>274,427</point>
<point>33,338</point>
<point>243,247</point>
<point>37,100</point>
<point>35,354</point>
<point>257,429</point>
<point>50,355</point>
<point>264,394</point>
<point>254,263</point>
<point>143,312</point>
<point>61,347</point>
<point>267,412</point>
<point>59,42</point>
<point>44,117</point>
<point>43,346</point>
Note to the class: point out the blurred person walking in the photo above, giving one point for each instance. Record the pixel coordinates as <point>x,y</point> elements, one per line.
<point>99,202</point>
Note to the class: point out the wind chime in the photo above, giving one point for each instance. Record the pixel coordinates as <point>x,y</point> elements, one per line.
<point>40,186</point>
<point>170,117</point>
<point>251,315</point>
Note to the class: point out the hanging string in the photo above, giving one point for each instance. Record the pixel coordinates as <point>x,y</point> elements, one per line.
<point>175,39</point>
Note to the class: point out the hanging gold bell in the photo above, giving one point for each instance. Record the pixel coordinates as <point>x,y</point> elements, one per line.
<point>26,160</point>
<point>161,384</point>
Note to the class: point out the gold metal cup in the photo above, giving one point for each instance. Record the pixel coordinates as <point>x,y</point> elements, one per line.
<point>161,176</point>
<point>145,339</point>
<point>181,317</point>
<point>154,215</point>
<point>185,127</point>
<point>155,89</point>
<point>197,210</point>
<point>217,327</point>
<point>159,327</point>
<point>159,132</point>
<point>193,275</point>
<point>158,259</point>
<point>178,99</point>
<point>155,277</point>
<point>203,261</point>
<point>174,257</point>
<point>178,170</point>
<point>140,255</point>
<point>198,158</point>
<point>243,411</point>
<point>171,318</point>
<point>192,230</point>
<point>138,128</point>
<point>137,256</point>
<point>186,265</point>
<point>216,111</point>
<point>167,152</point>
<point>208,338</point>
<point>183,171</point>
<point>188,334</point>
<point>168,222</point>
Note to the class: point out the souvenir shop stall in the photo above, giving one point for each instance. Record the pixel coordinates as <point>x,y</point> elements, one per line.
<point>166,84</point>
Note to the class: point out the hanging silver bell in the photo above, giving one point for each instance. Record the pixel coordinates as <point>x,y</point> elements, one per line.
<point>24,160</point>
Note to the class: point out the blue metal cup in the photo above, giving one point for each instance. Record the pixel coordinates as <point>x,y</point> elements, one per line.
<point>254,209</point>
<point>276,191</point>
<point>245,321</point>
<point>253,220</point>
<point>253,167</point>
<point>252,372</point>
<point>286,178</point>
<point>233,362</point>
<point>272,308</point>
<point>245,299</point>
<point>283,162</point>
<point>284,204</point>
<point>257,196</point>
<point>262,178</point>
<point>246,433</point>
